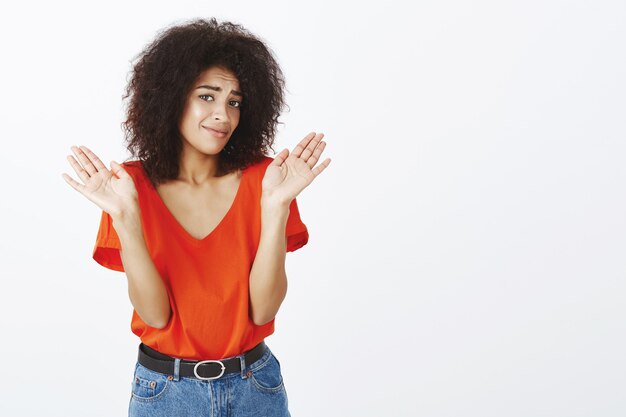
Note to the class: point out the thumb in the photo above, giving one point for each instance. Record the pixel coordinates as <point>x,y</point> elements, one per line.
<point>280,157</point>
<point>119,170</point>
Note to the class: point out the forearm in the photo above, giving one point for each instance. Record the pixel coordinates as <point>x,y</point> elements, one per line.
<point>146,289</point>
<point>268,279</point>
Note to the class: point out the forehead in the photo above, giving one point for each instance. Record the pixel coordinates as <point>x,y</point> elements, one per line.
<point>218,75</point>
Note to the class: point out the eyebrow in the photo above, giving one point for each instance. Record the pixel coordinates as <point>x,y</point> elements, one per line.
<point>210,87</point>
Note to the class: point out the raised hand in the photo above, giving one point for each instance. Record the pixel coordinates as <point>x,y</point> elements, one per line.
<point>113,191</point>
<point>290,173</point>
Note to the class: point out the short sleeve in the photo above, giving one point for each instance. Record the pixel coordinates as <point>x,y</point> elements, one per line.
<point>296,231</point>
<point>107,248</point>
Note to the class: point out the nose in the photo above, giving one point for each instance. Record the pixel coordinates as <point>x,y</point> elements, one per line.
<point>219,111</point>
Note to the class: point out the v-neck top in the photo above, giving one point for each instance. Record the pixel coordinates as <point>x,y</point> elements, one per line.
<point>175,224</point>
<point>207,280</point>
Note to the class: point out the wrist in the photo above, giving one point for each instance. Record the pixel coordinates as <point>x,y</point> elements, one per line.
<point>127,219</point>
<point>273,201</point>
<point>274,214</point>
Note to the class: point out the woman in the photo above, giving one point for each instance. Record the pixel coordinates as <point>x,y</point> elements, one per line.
<point>201,220</point>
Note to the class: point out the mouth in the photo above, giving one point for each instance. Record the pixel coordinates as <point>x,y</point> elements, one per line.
<point>218,133</point>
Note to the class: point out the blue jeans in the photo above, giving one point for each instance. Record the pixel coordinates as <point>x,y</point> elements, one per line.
<point>257,391</point>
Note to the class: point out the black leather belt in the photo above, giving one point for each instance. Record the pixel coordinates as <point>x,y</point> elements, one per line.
<point>206,369</point>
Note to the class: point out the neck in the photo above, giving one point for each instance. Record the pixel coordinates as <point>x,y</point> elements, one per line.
<point>196,168</point>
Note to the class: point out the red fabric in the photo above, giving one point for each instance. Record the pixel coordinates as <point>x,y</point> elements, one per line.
<point>207,280</point>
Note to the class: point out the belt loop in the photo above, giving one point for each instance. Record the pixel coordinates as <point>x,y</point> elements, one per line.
<point>176,369</point>
<point>242,360</point>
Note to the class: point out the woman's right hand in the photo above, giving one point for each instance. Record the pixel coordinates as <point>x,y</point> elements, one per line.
<point>113,191</point>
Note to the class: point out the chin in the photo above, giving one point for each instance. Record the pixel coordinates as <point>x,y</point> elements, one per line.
<point>213,147</point>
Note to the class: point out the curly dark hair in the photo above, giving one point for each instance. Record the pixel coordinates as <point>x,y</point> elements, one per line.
<point>163,76</point>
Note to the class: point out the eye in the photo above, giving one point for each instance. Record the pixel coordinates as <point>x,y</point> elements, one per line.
<point>237,104</point>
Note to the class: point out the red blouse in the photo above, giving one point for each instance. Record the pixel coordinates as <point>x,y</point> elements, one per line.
<point>207,279</point>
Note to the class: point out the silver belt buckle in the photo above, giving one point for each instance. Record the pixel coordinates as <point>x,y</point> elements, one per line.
<point>210,377</point>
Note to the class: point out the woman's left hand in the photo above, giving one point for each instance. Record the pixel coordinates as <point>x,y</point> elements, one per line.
<point>290,173</point>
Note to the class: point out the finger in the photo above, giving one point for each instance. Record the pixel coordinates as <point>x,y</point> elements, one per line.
<point>321,167</point>
<point>78,168</point>
<point>75,184</point>
<point>94,158</point>
<point>84,160</point>
<point>119,170</point>
<point>312,160</point>
<point>310,148</point>
<point>280,157</point>
<point>302,145</point>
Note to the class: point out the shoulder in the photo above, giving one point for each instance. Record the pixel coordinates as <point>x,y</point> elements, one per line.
<point>265,161</point>
<point>134,164</point>
<point>135,170</point>
<point>258,168</point>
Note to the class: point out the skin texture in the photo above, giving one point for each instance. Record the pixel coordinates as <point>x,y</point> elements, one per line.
<point>207,108</point>
<point>198,185</point>
<point>284,179</point>
<point>198,198</point>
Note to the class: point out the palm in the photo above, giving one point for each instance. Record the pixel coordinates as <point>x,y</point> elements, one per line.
<point>107,191</point>
<point>290,173</point>
<point>102,186</point>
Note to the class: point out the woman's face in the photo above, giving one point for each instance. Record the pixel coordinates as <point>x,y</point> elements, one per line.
<point>211,111</point>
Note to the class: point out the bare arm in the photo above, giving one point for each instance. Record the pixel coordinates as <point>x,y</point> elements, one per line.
<point>285,177</point>
<point>268,279</point>
<point>114,192</point>
<point>145,286</point>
